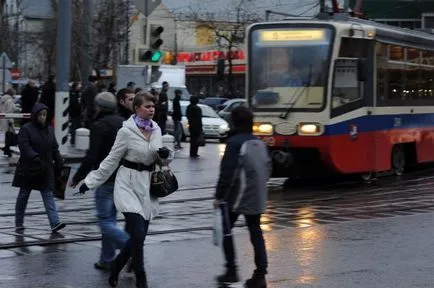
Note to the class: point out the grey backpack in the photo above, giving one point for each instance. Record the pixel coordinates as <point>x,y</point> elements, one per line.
<point>251,177</point>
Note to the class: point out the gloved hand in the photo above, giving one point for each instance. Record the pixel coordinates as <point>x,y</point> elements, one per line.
<point>164,153</point>
<point>83,188</point>
<point>37,161</point>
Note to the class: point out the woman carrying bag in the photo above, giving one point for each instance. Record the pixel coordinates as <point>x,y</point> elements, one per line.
<point>135,151</point>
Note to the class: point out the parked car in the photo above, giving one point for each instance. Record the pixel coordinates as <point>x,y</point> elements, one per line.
<point>213,102</point>
<point>226,108</point>
<point>214,127</point>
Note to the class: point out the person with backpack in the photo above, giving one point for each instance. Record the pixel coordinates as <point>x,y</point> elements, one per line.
<point>242,189</point>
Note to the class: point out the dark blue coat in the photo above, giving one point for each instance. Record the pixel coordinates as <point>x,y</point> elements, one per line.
<point>37,141</point>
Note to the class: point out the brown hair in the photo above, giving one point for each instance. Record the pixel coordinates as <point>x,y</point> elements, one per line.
<point>141,97</point>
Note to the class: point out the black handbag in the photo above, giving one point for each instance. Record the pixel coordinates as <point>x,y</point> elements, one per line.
<point>163,183</point>
<point>201,140</point>
<point>11,137</point>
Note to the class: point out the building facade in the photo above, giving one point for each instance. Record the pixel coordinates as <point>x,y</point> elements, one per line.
<point>27,21</point>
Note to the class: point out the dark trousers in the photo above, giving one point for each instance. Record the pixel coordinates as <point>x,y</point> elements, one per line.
<point>75,124</point>
<point>137,227</point>
<point>7,148</point>
<point>194,143</point>
<point>256,238</point>
<point>162,124</point>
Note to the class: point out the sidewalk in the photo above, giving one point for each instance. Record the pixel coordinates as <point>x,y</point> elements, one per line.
<point>391,252</point>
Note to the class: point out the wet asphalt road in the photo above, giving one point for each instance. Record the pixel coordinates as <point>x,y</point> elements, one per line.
<point>380,235</point>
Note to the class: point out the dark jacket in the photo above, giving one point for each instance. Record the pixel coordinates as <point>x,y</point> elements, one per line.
<point>87,101</point>
<point>103,133</point>
<point>74,104</point>
<point>124,112</point>
<point>29,96</point>
<point>228,166</point>
<point>48,97</point>
<point>163,106</point>
<point>194,116</point>
<point>177,113</point>
<point>37,142</point>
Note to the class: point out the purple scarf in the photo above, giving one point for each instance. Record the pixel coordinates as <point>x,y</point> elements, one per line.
<point>144,124</point>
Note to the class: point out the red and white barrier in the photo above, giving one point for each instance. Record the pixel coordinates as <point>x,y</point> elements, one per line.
<point>15,115</point>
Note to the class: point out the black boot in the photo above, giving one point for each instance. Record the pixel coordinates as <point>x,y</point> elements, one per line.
<point>114,274</point>
<point>257,281</point>
<point>141,281</point>
<point>230,276</point>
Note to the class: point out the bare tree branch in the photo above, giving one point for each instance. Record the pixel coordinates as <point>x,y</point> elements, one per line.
<point>229,33</point>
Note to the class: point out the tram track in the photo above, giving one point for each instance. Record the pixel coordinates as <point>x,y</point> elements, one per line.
<point>306,206</point>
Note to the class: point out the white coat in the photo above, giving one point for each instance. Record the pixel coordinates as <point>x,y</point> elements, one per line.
<point>7,105</point>
<point>131,190</point>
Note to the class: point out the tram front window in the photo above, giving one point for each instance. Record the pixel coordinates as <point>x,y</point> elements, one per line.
<point>288,68</point>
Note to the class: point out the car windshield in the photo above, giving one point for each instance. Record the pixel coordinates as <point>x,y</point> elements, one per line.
<point>207,112</point>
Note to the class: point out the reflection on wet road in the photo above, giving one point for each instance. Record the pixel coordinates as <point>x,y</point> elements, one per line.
<point>187,213</point>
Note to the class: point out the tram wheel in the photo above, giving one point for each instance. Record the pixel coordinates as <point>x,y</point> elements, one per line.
<point>398,160</point>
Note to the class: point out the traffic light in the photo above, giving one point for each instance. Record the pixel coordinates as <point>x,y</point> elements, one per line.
<point>153,53</point>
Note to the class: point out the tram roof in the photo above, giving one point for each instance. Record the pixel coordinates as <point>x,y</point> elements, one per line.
<point>387,33</point>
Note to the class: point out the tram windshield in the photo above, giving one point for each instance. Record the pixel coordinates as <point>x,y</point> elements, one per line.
<point>288,68</point>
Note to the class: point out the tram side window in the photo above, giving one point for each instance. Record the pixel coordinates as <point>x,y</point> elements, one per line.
<point>382,70</point>
<point>354,48</point>
<point>346,85</point>
<point>404,73</point>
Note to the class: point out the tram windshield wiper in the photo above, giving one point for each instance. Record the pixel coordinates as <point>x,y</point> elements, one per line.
<point>295,98</point>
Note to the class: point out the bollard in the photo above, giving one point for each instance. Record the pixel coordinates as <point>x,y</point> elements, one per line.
<point>82,138</point>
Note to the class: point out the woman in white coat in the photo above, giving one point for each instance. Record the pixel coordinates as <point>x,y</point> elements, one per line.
<point>135,150</point>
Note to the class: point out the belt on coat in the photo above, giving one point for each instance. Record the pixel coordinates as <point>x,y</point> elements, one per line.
<point>137,166</point>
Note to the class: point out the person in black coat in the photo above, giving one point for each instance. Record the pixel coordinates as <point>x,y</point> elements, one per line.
<point>87,100</point>
<point>39,162</point>
<point>29,96</point>
<point>163,108</point>
<point>177,117</point>
<point>48,97</point>
<point>194,116</point>
<point>103,133</point>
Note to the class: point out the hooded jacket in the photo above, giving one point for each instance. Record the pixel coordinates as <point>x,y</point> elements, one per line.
<point>132,187</point>
<point>37,141</point>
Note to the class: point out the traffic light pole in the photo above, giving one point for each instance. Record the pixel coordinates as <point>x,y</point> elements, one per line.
<point>146,21</point>
<point>63,56</point>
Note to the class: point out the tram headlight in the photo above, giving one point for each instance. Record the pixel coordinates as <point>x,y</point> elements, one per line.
<point>263,129</point>
<point>310,129</point>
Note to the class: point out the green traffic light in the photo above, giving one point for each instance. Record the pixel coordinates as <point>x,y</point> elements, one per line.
<point>157,56</point>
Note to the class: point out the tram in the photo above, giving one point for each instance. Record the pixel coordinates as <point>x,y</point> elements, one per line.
<point>344,97</point>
